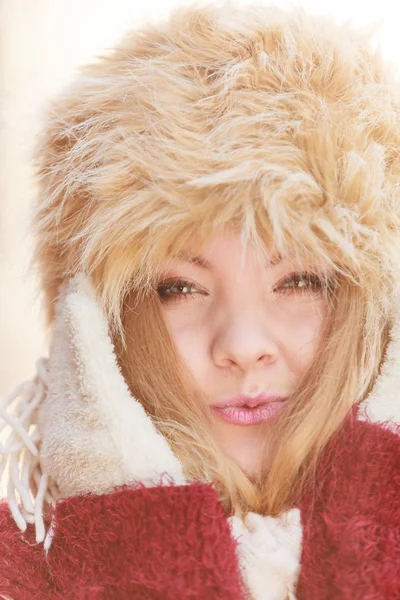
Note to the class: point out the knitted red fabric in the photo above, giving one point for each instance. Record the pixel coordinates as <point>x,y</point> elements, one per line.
<point>174,542</point>
<point>351,518</point>
<point>22,564</point>
<point>155,543</point>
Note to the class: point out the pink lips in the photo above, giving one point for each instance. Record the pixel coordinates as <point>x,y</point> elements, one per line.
<point>249,410</point>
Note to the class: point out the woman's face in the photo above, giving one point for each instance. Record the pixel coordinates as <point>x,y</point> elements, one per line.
<point>242,327</point>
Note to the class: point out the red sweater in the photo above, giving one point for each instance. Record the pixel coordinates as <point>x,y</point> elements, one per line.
<point>174,543</point>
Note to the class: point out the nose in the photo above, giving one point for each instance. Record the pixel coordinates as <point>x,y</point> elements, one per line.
<point>244,339</point>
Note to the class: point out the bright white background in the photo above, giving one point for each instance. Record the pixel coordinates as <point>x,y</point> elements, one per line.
<point>42,41</point>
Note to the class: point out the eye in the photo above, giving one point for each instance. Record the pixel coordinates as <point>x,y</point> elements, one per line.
<point>300,283</point>
<point>175,290</point>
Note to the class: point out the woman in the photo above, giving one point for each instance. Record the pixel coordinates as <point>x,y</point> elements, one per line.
<point>217,240</point>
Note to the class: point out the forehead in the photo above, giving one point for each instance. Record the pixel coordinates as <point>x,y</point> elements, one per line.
<point>225,246</point>
<point>209,263</point>
<point>229,247</point>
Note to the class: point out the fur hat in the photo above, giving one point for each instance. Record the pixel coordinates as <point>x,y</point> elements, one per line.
<point>280,123</point>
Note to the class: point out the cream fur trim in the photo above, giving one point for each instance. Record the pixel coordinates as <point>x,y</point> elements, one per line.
<point>383,402</point>
<point>95,435</point>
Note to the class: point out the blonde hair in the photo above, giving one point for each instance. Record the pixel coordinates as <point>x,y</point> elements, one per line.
<point>150,364</point>
<point>281,124</point>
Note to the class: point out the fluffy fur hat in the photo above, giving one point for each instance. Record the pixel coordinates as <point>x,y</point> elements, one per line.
<point>278,122</point>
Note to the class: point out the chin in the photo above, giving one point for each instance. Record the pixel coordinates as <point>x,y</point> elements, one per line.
<point>244,445</point>
<point>248,461</point>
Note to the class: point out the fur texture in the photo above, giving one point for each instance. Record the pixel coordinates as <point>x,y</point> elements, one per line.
<point>94,435</point>
<point>279,122</point>
<point>133,543</point>
<point>383,403</point>
<point>351,518</point>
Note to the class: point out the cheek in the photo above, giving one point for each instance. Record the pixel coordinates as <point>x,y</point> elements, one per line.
<point>302,334</point>
<point>190,342</point>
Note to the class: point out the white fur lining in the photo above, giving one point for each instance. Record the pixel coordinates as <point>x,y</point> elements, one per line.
<point>383,403</point>
<point>95,435</point>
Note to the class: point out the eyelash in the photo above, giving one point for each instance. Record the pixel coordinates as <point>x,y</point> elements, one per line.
<point>311,278</point>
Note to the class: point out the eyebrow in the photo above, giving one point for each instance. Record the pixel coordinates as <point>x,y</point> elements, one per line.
<point>205,264</point>
<point>195,260</point>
